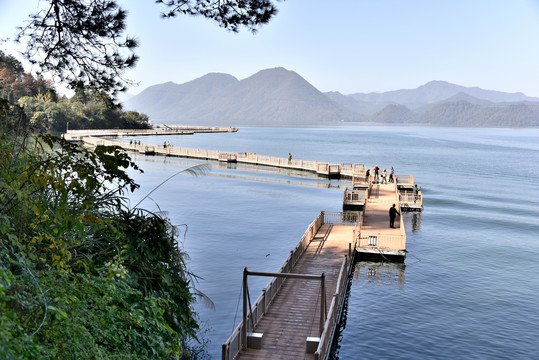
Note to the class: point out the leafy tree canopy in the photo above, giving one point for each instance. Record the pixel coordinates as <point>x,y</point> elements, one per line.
<point>83,42</point>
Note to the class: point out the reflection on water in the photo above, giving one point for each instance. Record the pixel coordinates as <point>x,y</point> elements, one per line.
<point>380,273</point>
<point>415,219</point>
<point>316,181</point>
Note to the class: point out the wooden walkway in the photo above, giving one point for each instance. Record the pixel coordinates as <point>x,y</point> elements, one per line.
<point>376,237</point>
<point>321,168</point>
<point>288,311</point>
<point>381,198</point>
<point>287,314</point>
<point>295,312</point>
<point>79,135</point>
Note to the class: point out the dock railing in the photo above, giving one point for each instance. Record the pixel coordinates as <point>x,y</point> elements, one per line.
<point>234,344</point>
<point>321,168</point>
<point>360,180</point>
<point>411,197</point>
<point>333,312</point>
<point>341,218</point>
<point>229,157</point>
<point>352,169</point>
<point>354,195</point>
<point>405,180</point>
<point>379,240</point>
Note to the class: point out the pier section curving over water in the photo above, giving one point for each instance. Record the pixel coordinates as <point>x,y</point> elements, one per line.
<point>297,313</point>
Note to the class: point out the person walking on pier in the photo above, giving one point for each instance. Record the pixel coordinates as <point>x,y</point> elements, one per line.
<point>392,215</point>
<point>289,158</point>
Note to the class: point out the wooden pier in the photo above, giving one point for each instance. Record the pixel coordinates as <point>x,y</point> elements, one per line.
<point>298,311</point>
<point>377,240</point>
<point>296,314</point>
<point>409,196</point>
<point>354,198</point>
<point>321,168</point>
<point>79,135</point>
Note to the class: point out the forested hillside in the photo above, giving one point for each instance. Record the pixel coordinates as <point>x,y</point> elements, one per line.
<point>47,111</point>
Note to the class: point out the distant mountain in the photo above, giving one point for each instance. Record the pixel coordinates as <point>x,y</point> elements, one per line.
<point>393,114</point>
<point>461,96</point>
<point>437,91</point>
<point>281,98</point>
<point>463,113</point>
<point>272,97</point>
<point>163,102</point>
<point>362,107</point>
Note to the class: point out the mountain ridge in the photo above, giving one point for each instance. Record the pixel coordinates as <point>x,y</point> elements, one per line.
<point>436,91</point>
<point>278,97</point>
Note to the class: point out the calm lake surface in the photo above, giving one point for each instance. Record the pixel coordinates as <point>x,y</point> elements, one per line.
<point>469,287</point>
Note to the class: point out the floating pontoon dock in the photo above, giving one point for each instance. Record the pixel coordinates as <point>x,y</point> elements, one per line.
<point>296,315</point>
<point>298,311</point>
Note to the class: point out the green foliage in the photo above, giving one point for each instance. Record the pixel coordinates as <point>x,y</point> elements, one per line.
<point>11,63</point>
<point>81,274</point>
<point>87,109</point>
<point>230,14</point>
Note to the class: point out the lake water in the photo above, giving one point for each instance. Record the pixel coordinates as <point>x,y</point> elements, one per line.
<point>469,287</point>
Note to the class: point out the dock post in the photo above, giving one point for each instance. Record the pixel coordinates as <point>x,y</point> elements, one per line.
<point>244,327</point>
<point>322,302</point>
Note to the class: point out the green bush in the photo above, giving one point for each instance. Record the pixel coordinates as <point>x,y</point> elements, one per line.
<point>82,276</point>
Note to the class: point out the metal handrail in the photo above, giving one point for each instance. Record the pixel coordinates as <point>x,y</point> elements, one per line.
<point>329,326</point>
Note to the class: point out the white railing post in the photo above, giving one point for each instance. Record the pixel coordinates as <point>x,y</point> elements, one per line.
<point>244,325</point>
<point>322,302</point>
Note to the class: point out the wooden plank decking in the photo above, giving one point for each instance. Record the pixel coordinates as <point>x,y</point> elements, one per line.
<point>295,312</point>
<point>94,138</point>
<point>389,242</point>
<point>381,198</point>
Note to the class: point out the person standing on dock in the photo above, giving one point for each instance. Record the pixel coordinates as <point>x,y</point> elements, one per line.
<point>392,215</point>
<point>289,158</point>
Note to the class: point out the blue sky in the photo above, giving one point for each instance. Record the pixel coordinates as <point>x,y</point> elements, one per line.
<point>348,46</point>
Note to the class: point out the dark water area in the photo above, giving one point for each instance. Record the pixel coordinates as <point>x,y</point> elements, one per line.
<point>469,286</point>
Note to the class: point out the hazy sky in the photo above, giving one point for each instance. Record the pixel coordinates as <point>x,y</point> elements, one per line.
<point>348,46</point>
